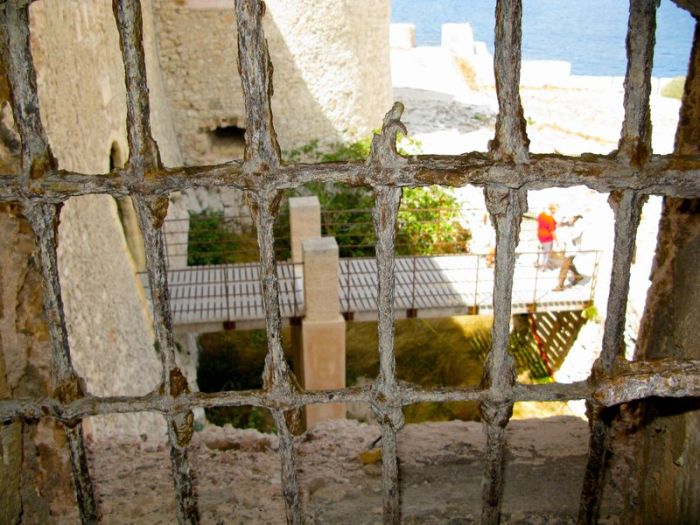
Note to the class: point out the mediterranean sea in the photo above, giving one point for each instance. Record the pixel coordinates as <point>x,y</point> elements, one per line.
<point>590,34</point>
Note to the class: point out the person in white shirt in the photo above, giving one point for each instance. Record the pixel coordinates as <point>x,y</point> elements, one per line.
<point>569,235</point>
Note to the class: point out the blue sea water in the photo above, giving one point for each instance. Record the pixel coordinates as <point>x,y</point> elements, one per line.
<point>588,33</point>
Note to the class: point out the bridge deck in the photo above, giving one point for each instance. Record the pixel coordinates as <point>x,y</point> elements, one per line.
<point>436,286</point>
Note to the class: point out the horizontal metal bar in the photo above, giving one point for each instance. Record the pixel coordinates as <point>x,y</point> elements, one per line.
<point>665,378</point>
<point>670,175</point>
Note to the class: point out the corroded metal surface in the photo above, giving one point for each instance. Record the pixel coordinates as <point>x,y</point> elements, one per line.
<point>634,149</point>
<point>36,160</point>
<point>668,175</point>
<point>262,158</point>
<point>511,142</point>
<point>151,211</point>
<point>635,141</point>
<point>16,54</point>
<point>506,208</point>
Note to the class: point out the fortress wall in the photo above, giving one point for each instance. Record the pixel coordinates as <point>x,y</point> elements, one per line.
<point>82,95</point>
<point>331,78</point>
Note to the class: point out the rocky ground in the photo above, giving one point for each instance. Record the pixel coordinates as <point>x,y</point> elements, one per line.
<point>237,475</point>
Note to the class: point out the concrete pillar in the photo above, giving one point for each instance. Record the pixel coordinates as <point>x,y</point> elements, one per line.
<point>322,359</point>
<point>304,223</point>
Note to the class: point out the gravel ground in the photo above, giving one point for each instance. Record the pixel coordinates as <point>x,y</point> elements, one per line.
<point>237,475</point>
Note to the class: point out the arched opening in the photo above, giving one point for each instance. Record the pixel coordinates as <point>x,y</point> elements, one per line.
<point>227,142</point>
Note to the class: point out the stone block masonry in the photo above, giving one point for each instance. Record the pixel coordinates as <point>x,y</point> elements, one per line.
<point>331,75</point>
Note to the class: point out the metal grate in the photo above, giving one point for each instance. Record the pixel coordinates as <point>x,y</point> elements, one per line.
<point>506,173</point>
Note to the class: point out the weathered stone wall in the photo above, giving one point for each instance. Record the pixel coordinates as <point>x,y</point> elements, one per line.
<point>332,76</point>
<point>82,95</point>
<point>668,444</point>
<point>35,477</point>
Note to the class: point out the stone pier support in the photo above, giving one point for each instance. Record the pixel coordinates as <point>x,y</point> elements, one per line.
<point>304,223</point>
<point>321,350</point>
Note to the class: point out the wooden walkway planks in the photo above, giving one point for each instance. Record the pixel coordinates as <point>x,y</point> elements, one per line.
<point>427,286</point>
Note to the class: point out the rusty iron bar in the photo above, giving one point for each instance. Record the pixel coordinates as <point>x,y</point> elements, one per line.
<point>511,142</point>
<point>67,385</point>
<point>667,175</point>
<point>634,149</point>
<point>657,379</point>
<point>151,211</point>
<point>36,160</point>
<point>386,397</point>
<point>386,400</point>
<point>18,62</point>
<point>143,150</point>
<point>635,138</point>
<point>262,152</point>
<point>506,208</point>
<point>262,158</point>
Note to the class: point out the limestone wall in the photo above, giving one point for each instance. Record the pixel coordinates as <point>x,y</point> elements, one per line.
<point>82,96</point>
<point>331,70</point>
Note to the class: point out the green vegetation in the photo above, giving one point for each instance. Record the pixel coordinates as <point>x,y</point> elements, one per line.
<point>234,361</point>
<point>430,353</point>
<point>428,221</point>
<point>674,89</point>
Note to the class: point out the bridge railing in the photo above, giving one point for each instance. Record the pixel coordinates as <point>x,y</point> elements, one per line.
<point>464,283</point>
<point>211,237</point>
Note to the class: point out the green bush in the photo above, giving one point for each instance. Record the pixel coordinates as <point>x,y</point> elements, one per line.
<point>209,241</point>
<point>674,89</point>
<point>428,221</point>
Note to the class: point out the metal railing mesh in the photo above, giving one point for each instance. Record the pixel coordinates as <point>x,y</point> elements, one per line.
<point>505,173</point>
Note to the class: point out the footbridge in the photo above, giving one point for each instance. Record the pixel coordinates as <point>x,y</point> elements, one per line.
<point>215,297</point>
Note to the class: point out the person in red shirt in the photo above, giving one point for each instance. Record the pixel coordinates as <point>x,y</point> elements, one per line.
<point>546,228</point>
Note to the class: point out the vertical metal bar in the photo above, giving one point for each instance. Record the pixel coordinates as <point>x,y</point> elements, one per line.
<point>635,137</point>
<point>510,142</point>
<point>143,150</point>
<point>506,207</point>
<point>151,212</point>
<point>262,153</point>
<point>627,206</point>
<point>19,65</point>
<point>67,385</point>
<point>634,148</point>
<point>387,403</point>
<point>276,376</point>
<point>256,76</point>
<point>37,159</point>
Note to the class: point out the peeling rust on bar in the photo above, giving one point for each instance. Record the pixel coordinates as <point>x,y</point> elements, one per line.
<point>667,175</point>
<point>511,142</point>
<point>15,51</point>
<point>627,207</point>
<point>643,379</point>
<point>506,207</point>
<point>150,212</point>
<point>262,150</point>
<point>143,150</point>
<point>386,401</point>
<point>262,159</point>
<point>635,139</point>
